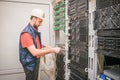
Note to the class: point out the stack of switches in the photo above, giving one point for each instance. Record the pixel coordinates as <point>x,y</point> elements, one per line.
<point>59,15</point>
<point>108,27</point>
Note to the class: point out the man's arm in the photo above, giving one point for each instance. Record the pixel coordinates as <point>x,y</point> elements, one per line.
<point>41,52</point>
<point>27,42</point>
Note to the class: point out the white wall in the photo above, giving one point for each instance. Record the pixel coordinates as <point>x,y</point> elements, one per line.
<point>14,16</point>
<point>35,1</point>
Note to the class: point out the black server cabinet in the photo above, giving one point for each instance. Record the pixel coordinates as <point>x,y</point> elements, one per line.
<point>107,24</point>
<point>78,45</point>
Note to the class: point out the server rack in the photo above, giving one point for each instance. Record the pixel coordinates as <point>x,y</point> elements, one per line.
<point>92,44</point>
<point>61,28</point>
<point>75,61</point>
<point>78,45</point>
<point>107,25</point>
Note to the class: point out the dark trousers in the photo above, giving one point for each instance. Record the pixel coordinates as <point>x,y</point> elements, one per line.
<point>32,75</point>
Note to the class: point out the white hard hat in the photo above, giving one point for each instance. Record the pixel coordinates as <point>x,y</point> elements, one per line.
<point>38,13</point>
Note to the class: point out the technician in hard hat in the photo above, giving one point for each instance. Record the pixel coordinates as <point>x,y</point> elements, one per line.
<point>30,46</point>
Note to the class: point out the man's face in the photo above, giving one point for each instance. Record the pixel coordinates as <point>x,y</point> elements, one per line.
<point>38,22</point>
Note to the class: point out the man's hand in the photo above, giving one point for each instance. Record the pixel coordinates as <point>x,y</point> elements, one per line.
<point>57,49</point>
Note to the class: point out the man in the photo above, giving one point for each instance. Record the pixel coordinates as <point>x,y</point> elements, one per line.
<point>30,46</point>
